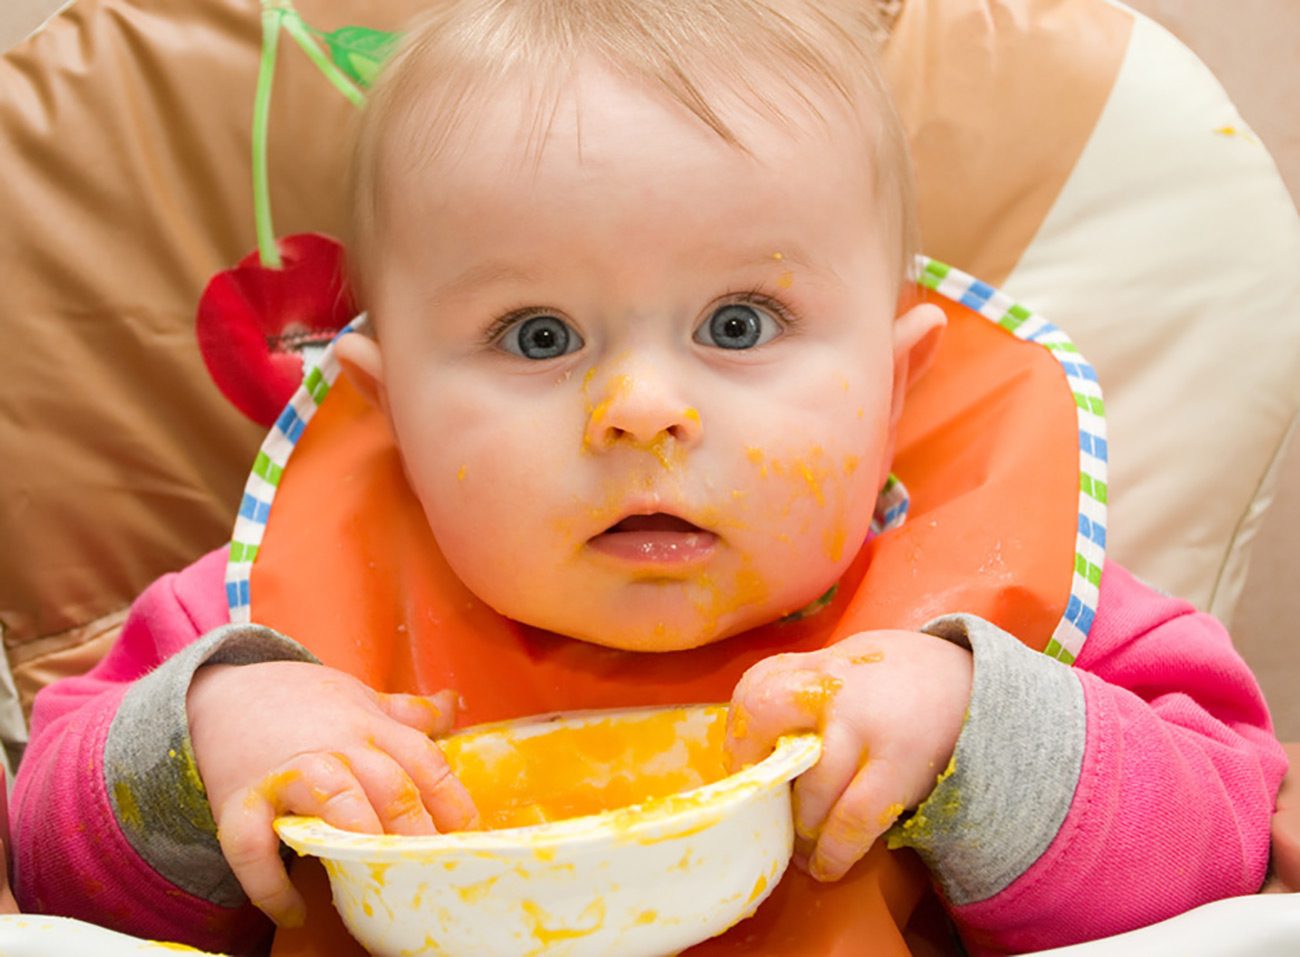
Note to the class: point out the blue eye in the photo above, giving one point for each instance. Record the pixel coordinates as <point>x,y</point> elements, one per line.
<point>738,326</point>
<point>541,337</point>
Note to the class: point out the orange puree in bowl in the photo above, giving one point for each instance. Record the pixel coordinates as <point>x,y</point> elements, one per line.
<point>551,771</point>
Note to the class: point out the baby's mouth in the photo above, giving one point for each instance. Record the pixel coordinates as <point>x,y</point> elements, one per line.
<point>655,539</point>
<point>658,522</point>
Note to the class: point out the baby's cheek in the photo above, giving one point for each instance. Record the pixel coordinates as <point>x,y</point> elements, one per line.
<point>810,501</point>
<point>718,597</point>
<point>476,526</point>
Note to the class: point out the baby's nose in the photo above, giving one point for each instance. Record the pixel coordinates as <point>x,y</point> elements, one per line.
<point>640,411</point>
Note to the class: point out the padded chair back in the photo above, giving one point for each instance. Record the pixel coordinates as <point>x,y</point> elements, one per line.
<point>1068,150</point>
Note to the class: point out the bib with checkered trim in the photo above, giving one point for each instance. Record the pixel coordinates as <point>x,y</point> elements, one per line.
<point>1002,450</point>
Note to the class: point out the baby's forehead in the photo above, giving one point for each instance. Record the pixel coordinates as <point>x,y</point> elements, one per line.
<point>805,66</point>
<point>518,115</point>
<point>694,49</point>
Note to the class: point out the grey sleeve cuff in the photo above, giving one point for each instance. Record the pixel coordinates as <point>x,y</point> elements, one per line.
<point>150,772</point>
<point>1006,793</point>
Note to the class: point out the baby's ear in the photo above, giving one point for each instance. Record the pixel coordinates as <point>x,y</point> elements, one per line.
<point>917,333</point>
<point>363,364</point>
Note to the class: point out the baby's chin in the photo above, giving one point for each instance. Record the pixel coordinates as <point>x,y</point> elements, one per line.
<point>661,637</point>
<point>624,627</point>
<point>654,642</point>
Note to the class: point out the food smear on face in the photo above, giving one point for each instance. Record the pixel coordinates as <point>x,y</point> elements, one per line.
<point>519,779</point>
<point>833,539</point>
<point>617,388</point>
<point>713,600</point>
<point>667,449</point>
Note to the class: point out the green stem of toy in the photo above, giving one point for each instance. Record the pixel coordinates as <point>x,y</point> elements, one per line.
<point>300,32</point>
<point>266,248</point>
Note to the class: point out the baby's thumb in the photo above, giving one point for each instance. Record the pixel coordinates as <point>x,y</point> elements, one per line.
<point>432,714</point>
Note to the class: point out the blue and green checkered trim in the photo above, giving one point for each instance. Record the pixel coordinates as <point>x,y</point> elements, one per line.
<point>1090,539</point>
<point>891,508</point>
<point>264,480</point>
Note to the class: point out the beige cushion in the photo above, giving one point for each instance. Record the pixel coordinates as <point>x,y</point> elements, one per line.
<point>1171,258</point>
<point>1066,150</point>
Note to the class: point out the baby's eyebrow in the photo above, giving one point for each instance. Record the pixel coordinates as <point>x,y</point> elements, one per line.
<point>783,263</point>
<point>486,274</point>
<point>778,254</point>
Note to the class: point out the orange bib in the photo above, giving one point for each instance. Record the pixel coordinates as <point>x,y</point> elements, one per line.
<point>989,448</point>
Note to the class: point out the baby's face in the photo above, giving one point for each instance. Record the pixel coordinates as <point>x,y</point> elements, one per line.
<point>643,382</point>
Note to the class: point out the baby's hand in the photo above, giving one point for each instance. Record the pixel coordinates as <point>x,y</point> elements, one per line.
<point>889,706</point>
<point>290,737</point>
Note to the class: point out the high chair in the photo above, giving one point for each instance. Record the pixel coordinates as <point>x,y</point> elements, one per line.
<point>1071,152</point>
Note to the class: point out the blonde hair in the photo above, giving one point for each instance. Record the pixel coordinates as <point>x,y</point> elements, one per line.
<point>757,52</point>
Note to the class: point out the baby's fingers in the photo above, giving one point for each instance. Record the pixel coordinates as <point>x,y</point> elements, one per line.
<point>321,785</point>
<point>252,850</point>
<point>776,697</point>
<point>392,793</point>
<point>822,786</point>
<point>439,792</point>
<point>866,809</point>
<point>430,714</point>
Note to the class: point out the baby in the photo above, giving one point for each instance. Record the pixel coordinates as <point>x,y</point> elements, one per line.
<point>633,271</point>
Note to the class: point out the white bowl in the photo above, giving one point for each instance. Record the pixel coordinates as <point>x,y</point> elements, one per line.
<point>651,878</point>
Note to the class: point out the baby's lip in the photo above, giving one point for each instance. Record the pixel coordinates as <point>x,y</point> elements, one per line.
<point>657,539</point>
<point>653,522</point>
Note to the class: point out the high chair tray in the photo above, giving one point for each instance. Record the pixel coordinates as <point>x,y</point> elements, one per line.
<point>1265,925</point>
<point>1262,926</point>
<point>32,935</point>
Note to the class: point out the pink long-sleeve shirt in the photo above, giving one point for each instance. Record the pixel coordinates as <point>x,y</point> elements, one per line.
<point>1120,791</point>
